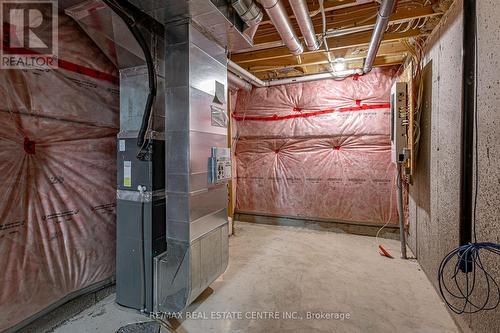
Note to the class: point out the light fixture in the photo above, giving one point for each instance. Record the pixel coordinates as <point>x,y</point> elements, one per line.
<point>339,65</point>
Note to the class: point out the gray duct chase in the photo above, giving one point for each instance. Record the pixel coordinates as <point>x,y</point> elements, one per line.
<point>172,229</point>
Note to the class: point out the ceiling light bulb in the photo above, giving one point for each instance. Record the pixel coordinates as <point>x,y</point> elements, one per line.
<point>339,65</point>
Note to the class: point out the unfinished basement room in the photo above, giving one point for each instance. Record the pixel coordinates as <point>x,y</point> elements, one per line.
<point>250,166</point>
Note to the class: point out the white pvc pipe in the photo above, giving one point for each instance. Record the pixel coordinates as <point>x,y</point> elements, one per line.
<point>249,77</point>
<point>237,83</point>
<point>246,75</point>
<point>314,77</point>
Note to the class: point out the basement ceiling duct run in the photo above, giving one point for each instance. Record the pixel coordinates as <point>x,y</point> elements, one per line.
<point>279,16</point>
<point>216,18</point>
<point>384,13</point>
<point>301,12</point>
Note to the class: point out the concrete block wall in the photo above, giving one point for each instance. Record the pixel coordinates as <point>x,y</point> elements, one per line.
<point>434,195</point>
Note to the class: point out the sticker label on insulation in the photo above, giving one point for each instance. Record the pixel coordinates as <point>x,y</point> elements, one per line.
<point>127,173</point>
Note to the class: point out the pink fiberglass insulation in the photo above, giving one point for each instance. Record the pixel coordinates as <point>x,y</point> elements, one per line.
<point>57,167</point>
<point>317,150</point>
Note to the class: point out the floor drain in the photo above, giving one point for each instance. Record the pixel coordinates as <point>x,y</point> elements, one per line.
<point>145,327</point>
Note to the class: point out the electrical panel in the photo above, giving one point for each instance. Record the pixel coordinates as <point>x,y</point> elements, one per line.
<point>399,122</point>
<point>219,165</point>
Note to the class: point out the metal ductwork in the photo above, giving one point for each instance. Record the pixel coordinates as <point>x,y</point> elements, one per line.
<point>234,82</point>
<point>385,11</point>
<point>172,228</point>
<point>250,13</point>
<point>301,12</point>
<point>278,15</point>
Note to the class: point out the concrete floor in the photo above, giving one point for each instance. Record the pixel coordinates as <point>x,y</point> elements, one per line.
<point>296,271</point>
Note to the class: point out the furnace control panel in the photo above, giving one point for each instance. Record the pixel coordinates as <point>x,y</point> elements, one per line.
<point>219,165</point>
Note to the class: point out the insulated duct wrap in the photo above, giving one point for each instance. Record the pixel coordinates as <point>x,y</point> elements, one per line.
<point>317,150</point>
<point>57,167</point>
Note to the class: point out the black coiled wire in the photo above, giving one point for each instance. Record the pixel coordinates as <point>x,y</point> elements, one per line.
<point>460,294</point>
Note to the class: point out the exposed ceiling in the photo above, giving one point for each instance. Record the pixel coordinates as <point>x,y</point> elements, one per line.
<point>350,25</point>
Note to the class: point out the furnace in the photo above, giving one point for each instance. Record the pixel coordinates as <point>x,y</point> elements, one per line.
<point>172,162</point>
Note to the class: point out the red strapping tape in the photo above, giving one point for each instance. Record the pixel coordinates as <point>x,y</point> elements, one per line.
<point>75,68</point>
<point>313,113</point>
<point>67,65</point>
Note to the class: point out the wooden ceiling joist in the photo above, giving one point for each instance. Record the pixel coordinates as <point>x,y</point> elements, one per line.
<point>348,41</point>
<point>320,57</point>
<point>404,14</point>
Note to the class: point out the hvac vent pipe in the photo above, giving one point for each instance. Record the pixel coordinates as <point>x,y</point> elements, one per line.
<point>385,11</point>
<point>250,13</point>
<point>301,12</point>
<point>278,15</point>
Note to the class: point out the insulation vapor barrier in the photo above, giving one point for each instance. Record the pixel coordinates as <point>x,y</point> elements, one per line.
<point>317,150</point>
<point>58,171</point>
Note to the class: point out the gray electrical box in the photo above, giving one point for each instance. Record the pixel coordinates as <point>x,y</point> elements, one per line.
<point>399,121</point>
<point>219,165</point>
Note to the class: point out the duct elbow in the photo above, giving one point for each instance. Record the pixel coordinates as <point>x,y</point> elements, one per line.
<point>250,13</point>
<point>367,69</point>
<point>298,50</point>
<point>314,47</point>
